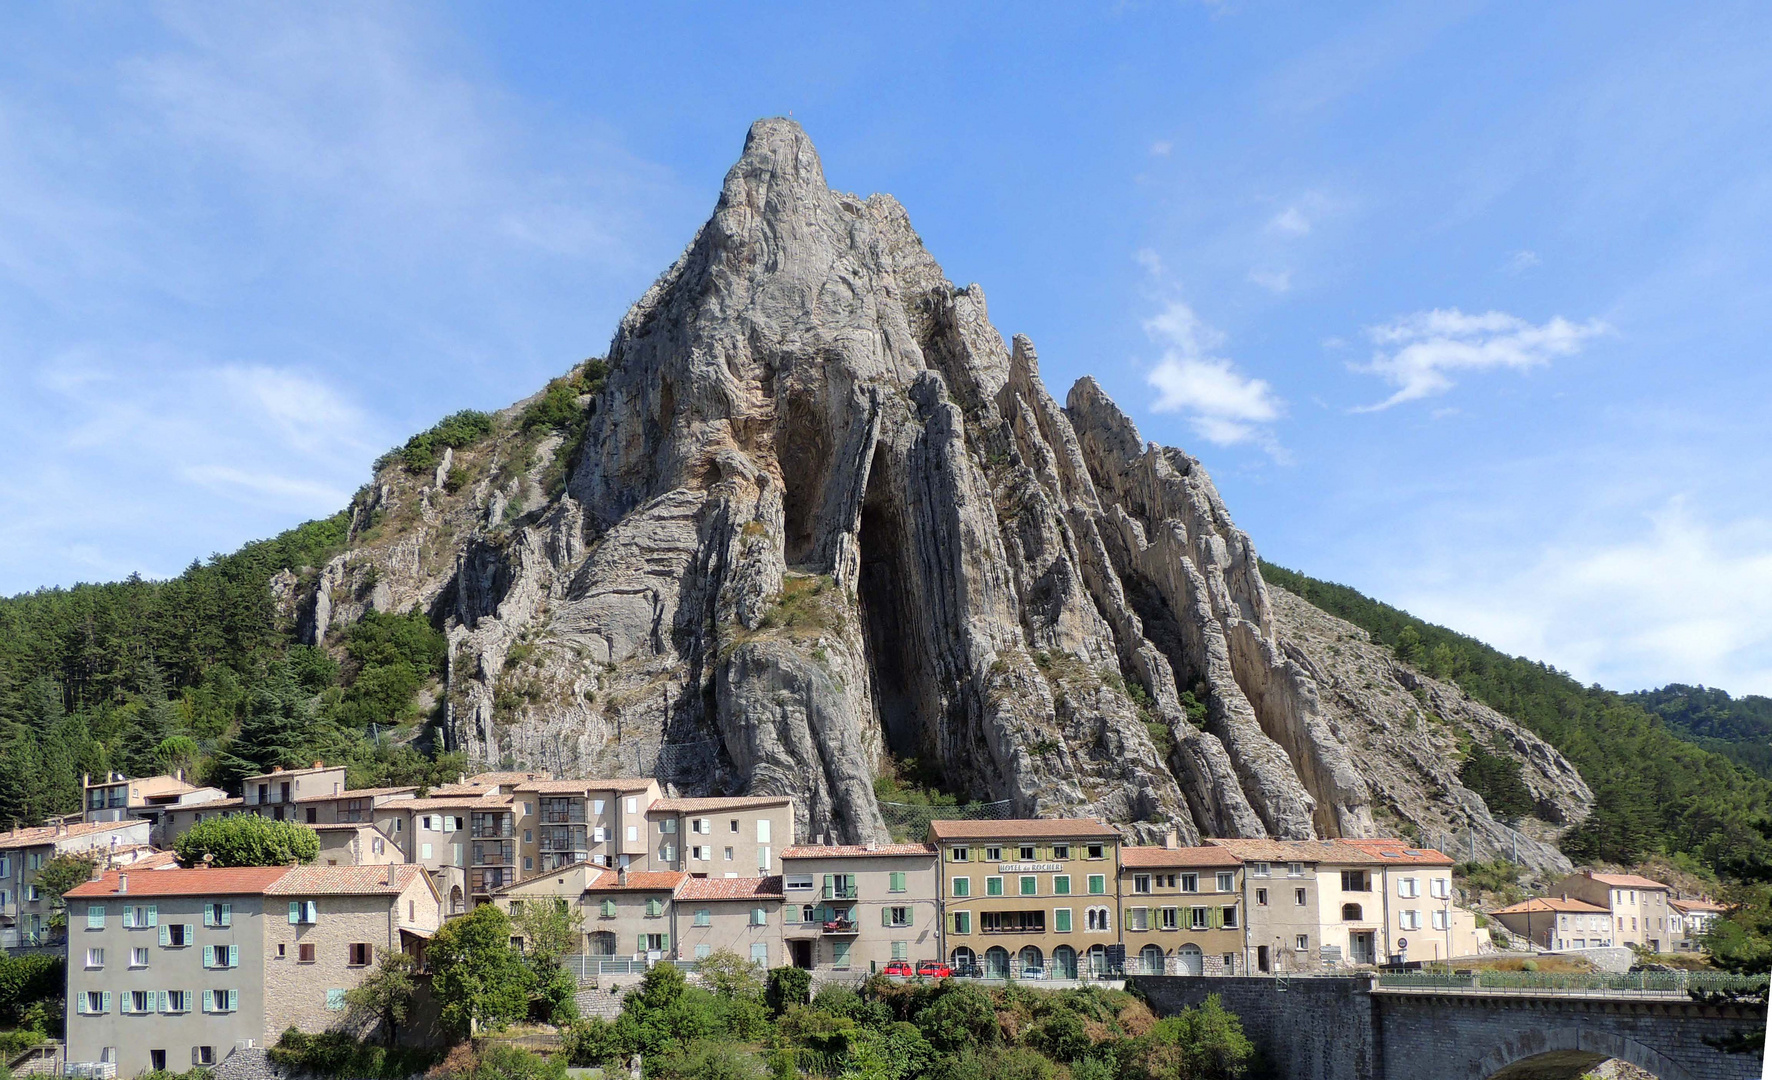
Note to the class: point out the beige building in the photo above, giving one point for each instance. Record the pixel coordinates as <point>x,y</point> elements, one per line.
<point>1692,919</point>
<point>562,822</point>
<point>1181,910</point>
<point>627,913</point>
<point>356,845</point>
<point>274,794</point>
<point>858,907</point>
<point>1638,906</point>
<point>737,915</point>
<point>174,968</point>
<point>1555,923</point>
<point>735,837</point>
<point>1029,898</point>
<point>1283,925</point>
<point>25,912</point>
<point>119,798</point>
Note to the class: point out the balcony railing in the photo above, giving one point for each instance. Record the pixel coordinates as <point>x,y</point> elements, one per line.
<point>839,926</point>
<point>502,830</point>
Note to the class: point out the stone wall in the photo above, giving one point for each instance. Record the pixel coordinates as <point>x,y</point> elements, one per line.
<point>1307,1029</point>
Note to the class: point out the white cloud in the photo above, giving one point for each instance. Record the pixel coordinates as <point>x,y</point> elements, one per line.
<point>1685,601</point>
<point>1221,404</point>
<point>1419,353</point>
<point>1150,260</point>
<point>1162,148</point>
<point>1522,261</point>
<point>1274,281</point>
<point>1291,221</point>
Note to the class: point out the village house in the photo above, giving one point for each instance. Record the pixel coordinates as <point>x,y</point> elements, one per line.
<point>274,794</point>
<point>1029,898</point>
<point>464,837</point>
<point>1411,888</point>
<point>1283,924</point>
<point>734,836</point>
<point>562,822</point>
<point>857,907</point>
<point>1693,919</point>
<point>1181,910</point>
<point>627,913</point>
<point>171,969</point>
<point>26,914</point>
<point>1638,906</point>
<point>150,798</point>
<point>1554,923</point>
<point>723,914</point>
<point>356,845</point>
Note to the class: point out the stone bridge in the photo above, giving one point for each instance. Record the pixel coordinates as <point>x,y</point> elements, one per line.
<point>1349,1028</point>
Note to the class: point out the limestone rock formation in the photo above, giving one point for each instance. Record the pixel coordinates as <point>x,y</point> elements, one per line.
<point>823,516</point>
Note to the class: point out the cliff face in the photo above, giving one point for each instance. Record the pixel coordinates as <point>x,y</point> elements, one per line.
<point>823,515</point>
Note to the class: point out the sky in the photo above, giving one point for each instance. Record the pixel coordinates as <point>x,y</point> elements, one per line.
<point>1465,305</point>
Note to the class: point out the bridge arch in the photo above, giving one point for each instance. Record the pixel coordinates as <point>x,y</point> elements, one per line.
<point>1567,1053</point>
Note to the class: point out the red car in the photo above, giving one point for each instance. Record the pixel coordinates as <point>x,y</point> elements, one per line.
<point>934,969</point>
<point>901,968</point>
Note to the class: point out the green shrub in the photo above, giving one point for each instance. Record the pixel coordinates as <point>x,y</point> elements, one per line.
<point>247,840</point>
<point>788,986</point>
<point>422,451</point>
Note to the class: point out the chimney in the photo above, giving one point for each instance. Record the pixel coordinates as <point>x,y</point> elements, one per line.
<point>122,883</point>
<point>621,876</point>
<point>96,873</point>
<point>276,769</point>
<point>319,764</point>
<point>1169,839</point>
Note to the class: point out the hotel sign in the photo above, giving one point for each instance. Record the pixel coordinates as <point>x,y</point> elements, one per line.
<point>1029,867</point>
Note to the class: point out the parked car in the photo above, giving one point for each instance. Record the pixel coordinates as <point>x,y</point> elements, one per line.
<point>1031,972</point>
<point>901,968</point>
<point>934,969</point>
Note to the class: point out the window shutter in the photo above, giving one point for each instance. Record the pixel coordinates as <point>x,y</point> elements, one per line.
<point>642,943</point>
<point>1215,918</point>
<point>162,1002</point>
<point>885,916</point>
<point>166,935</point>
<point>95,917</point>
<point>227,914</point>
<point>664,941</point>
<point>208,915</point>
<point>294,912</point>
<point>209,956</point>
<point>153,914</point>
<point>128,918</point>
<point>233,955</point>
<point>208,1001</point>
<point>104,1004</point>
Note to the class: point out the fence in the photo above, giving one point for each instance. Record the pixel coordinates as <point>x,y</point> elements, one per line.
<point>908,821</point>
<point>585,967</point>
<point>1636,982</point>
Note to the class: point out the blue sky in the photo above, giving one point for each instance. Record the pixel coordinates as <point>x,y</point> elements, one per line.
<point>1465,305</point>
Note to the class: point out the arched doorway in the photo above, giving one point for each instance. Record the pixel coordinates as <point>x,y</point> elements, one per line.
<point>1351,913</point>
<point>602,943</point>
<point>1150,960</point>
<point>455,900</point>
<point>1064,962</point>
<point>1189,960</point>
<point>1032,960</point>
<point>1097,956</point>
<point>996,962</point>
<point>964,961</point>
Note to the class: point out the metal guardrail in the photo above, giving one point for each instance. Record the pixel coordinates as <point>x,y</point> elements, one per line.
<point>585,967</point>
<point>1636,982</point>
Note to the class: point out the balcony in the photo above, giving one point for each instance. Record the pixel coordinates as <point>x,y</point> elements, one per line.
<point>839,927</point>
<point>493,830</point>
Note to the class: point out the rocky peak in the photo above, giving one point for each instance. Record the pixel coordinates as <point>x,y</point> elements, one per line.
<point>824,517</point>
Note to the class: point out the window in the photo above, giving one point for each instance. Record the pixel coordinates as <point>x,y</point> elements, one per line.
<point>798,881</point>
<point>1228,917</point>
<point>177,935</point>
<point>763,831</point>
<point>993,886</point>
<point>1294,869</point>
<point>1440,921</point>
<point>962,921</point>
<point>606,909</point>
<point>1097,918</point>
<point>1227,882</point>
<point>962,886</point>
<point>704,917</point>
<point>760,953</point>
<point>667,852</point>
<point>1408,888</point>
<point>653,942</point>
<point>178,1001</point>
<point>1298,895</point>
<point>728,854</point>
<point>1061,885</point>
<point>1030,885</point>
<point>959,854</point>
<point>993,854</point>
<point>1097,851</point>
<point>654,908</point>
<point>138,957</point>
<point>894,881</point>
<point>1352,913</point>
<point>203,1055</point>
<point>1138,918</point>
<point>901,950</point>
<point>95,958</point>
<point>1409,920</point>
<point>763,860</point>
<point>1259,869</point>
<point>760,916</point>
<point>1440,888</point>
<point>895,916</point>
<point>304,912</point>
<point>359,954</point>
<point>1097,884</point>
<point>1356,881</point>
<point>221,956</point>
<point>424,851</point>
<point>1304,942</point>
<point>455,855</point>
<point>701,853</point>
<point>1198,918</point>
<point>1141,883</point>
<point>702,952</point>
<point>1190,883</point>
<point>95,1002</point>
<point>840,954</point>
<point>218,915</point>
<point>1061,920</point>
<point>138,1002</point>
<point>304,953</point>
<point>633,833</point>
<point>734,825</point>
<point>157,1060</point>
<point>667,826</point>
<point>632,805</point>
<point>1061,851</point>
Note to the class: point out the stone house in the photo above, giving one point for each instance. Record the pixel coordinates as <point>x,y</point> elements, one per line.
<point>1638,906</point>
<point>562,822</point>
<point>1283,924</point>
<point>735,837</point>
<point>169,969</point>
<point>356,845</point>
<point>857,907</point>
<point>1555,923</point>
<point>1181,910</point>
<point>723,914</point>
<point>25,912</point>
<point>1028,898</point>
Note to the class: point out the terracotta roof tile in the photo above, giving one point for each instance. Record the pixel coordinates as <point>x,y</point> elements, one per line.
<point>357,793</point>
<point>206,881</point>
<point>638,880</point>
<point>47,834</point>
<point>712,888</point>
<point>1697,905</point>
<point>1023,828</point>
<point>1282,851</point>
<point>845,851</point>
<point>1551,904</point>
<point>732,802</point>
<point>1399,852</point>
<point>510,776</point>
<point>345,880</point>
<point>1141,857</point>
<point>572,787</point>
<point>1626,881</point>
<point>488,800</point>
